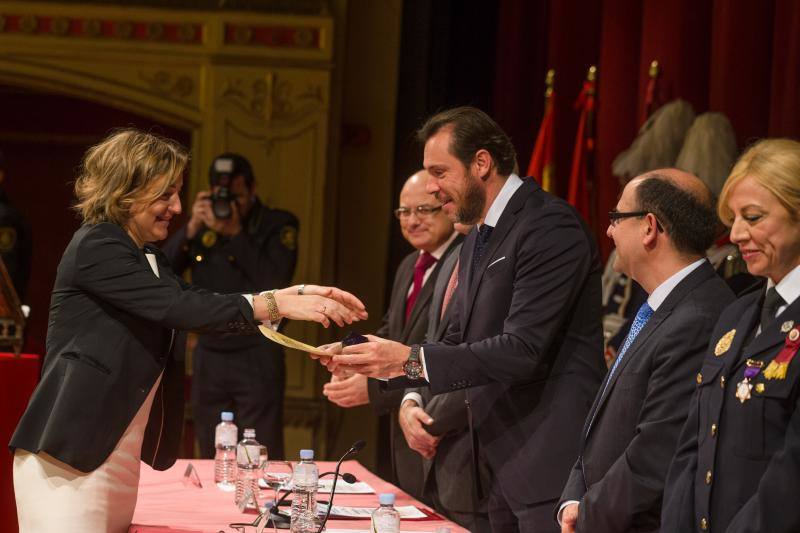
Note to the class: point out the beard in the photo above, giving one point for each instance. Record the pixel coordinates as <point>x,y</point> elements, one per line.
<point>473,202</point>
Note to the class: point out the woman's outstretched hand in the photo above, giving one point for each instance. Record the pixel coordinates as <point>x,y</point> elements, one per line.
<point>320,304</point>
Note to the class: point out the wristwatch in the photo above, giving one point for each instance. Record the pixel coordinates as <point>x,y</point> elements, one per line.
<point>413,366</point>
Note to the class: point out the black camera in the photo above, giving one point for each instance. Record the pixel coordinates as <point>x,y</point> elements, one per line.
<point>221,203</point>
<point>222,172</point>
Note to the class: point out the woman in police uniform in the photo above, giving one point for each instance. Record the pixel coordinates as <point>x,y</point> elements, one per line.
<point>737,467</point>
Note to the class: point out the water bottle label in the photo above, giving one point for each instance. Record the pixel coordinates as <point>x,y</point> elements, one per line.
<point>226,436</point>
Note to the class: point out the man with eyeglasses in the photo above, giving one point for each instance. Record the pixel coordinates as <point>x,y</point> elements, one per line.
<point>662,225</point>
<point>431,233</point>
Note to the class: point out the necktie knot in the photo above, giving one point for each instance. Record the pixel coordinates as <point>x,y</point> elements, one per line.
<point>424,262</point>
<point>485,232</point>
<point>772,302</point>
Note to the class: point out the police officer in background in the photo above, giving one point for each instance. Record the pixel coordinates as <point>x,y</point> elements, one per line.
<point>15,239</point>
<point>235,244</point>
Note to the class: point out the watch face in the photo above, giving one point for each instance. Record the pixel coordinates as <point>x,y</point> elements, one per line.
<point>412,369</point>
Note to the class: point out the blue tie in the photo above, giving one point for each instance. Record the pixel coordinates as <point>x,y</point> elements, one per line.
<point>642,316</point>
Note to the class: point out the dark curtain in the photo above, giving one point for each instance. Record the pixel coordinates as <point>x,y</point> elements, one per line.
<point>739,58</point>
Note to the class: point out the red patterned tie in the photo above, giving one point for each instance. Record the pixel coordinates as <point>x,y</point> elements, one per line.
<point>451,287</point>
<point>424,262</point>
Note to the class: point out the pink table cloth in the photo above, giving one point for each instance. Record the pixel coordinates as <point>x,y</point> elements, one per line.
<point>167,505</point>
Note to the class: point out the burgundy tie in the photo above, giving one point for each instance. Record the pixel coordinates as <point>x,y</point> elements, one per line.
<point>424,262</point>
<point>451,287</point>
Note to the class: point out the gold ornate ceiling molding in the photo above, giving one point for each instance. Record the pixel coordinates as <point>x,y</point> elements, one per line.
<point>233,33</point>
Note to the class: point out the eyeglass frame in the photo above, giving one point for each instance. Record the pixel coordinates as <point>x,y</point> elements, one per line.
<point>420,210</point>
<point>615,216</point>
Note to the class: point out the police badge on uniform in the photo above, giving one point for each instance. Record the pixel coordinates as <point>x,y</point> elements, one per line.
<point>724,343</point>
<point>209,238</point>
<point>289,237</point>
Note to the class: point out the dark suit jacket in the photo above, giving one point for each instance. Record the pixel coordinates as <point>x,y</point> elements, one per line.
<point>110,335</point>
<point>526,331</point>
<point>452,465</point>
<point>406,463</point>
<point>619,476</point>
<point>738,464</point>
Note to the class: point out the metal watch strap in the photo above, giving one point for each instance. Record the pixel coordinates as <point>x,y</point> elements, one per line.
<point>413,367</point>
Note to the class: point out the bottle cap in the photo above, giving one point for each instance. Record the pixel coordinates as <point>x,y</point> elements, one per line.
<point>386,498</point>
<point>249,433</point>
<point>306,455</point>
<point>226,416</point>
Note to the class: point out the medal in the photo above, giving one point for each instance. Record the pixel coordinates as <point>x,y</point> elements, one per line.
<point>777,367</point>
<point>744,387</point>
<point>786,326</point>
<point>724,343</point>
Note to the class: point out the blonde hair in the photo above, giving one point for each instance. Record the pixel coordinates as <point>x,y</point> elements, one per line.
<point>119,173</point>
<point>775,165</point>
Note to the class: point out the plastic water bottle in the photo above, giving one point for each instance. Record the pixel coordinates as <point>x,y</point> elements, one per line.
<point>247,473</point>
<point>225,457</point>
<point>386,519</point>
<point>304,494</point>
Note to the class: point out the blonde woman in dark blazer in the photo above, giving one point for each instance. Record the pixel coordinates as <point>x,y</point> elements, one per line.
<point>737,468</point>
<point>110,394</point>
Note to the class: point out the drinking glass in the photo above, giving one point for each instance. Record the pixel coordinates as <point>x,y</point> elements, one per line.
<point>277,475</point>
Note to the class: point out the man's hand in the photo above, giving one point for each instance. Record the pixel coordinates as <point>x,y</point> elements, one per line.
<point>412,417</point>
<point>569,518</point>
<point>347,392</point>
<point>378,358</point>
<point>201,213</point>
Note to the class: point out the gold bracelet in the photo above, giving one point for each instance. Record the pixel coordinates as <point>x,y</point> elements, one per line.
<point>272,306</point>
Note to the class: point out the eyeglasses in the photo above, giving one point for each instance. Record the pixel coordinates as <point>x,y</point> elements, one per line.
<point>615,216</point>
<point>422,211</point>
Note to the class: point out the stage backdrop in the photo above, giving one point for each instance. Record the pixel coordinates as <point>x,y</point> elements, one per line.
<point>739,58</point>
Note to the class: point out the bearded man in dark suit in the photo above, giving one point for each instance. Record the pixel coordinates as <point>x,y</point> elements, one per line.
<point>525,335</point>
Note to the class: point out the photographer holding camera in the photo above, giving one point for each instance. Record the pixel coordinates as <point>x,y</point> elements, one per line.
<point>235,244</point>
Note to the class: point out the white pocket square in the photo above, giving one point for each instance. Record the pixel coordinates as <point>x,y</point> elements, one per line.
<point>495,262</point>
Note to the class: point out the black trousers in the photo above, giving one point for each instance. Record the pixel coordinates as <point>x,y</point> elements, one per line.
<point>532,518</point>
<point>250,383</point>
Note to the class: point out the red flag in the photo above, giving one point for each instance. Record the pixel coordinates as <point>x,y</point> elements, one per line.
<point>652,94</point>
<point>582,156</point>
<point>541,165</point>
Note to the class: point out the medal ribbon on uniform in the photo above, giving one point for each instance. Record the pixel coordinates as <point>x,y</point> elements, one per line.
<point>744,387</point>
<point>778,366</point>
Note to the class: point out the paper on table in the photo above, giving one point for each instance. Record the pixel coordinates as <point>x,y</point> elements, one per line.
<point>409,512</point>
<point>282,339</point>
<point>362,531</point>
<point>324,487</point>
<point>342,487</point>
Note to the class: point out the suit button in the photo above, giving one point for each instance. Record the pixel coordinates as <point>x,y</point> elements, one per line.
<point>703,524</point>
<point>722,382</point>
<point>699,378</point>
<point>713,430</point>
<point>708,477</point>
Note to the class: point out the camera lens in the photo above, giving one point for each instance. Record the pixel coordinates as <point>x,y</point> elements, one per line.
<point>221,203</point>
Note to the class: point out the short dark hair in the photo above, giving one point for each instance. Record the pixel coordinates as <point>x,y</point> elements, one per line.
<point>689,220</point>
<point>472,130</point>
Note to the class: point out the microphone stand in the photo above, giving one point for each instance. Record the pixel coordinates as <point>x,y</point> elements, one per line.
<point>349,478</point>
<point>355,448</point>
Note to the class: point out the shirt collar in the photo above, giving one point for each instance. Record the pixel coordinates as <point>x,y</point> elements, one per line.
<point>789,286</point>
<point>439,252</point>
<point>513,182</point>
<point>661,292</point>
